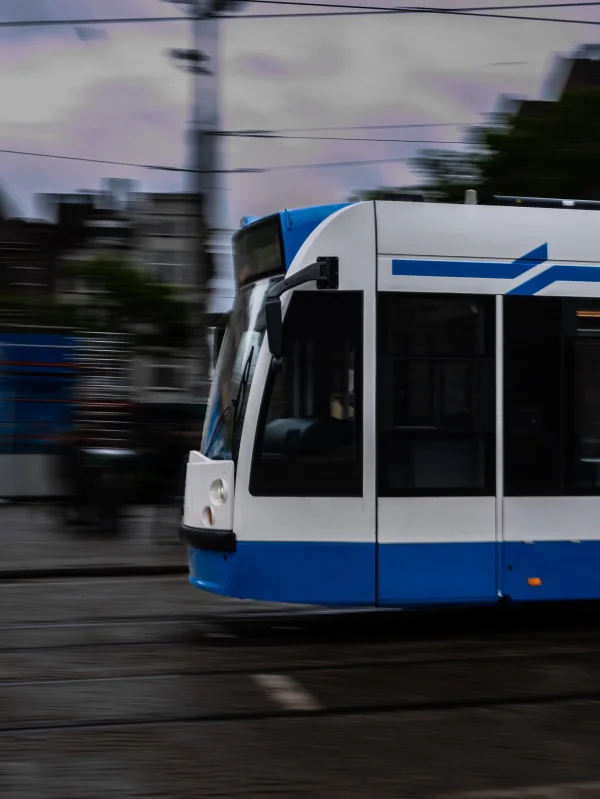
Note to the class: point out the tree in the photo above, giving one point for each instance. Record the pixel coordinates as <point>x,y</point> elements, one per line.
<point>120,300</point>
<point>125,301</point>
<point>37,310</point>
<point>553,152</point>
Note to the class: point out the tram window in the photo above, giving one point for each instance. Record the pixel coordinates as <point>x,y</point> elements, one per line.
<point>430,325</point>
<point>436,395</point>
<point>309,441</point>
<point>532,396</point>
<point>551,396</point>
<point>581,392</point>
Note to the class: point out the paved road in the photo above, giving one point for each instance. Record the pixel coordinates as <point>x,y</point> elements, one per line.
<point>146,688</point>
<point>34,538</point>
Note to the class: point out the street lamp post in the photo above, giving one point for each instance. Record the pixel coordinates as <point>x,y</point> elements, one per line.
<point>202,65</point>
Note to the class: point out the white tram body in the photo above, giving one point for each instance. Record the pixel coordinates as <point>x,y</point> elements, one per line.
<point>424,428</point>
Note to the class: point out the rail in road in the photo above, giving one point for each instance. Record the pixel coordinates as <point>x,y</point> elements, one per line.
<point>141,689</point>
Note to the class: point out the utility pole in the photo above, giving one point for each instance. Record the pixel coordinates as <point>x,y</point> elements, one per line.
<point>201,61</point>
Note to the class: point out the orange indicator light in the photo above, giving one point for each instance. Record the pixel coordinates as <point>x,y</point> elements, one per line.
<point>534,581</point>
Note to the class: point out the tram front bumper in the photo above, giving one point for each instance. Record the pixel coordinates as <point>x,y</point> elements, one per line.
<point>210,556</point>
<point>208,540</point>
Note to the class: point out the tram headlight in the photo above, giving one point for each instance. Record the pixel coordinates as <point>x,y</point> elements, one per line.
<point>218,492</point>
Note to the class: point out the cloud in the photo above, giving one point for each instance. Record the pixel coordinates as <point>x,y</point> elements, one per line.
<point>40,80</point>
<point>264,66</point>
<point>116,99</point>
<point>132,121</point>
<point>51,10</point>
<point>120,98</point>
<point>370,70</point>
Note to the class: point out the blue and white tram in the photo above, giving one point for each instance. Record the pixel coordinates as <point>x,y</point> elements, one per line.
<point>423,427</point>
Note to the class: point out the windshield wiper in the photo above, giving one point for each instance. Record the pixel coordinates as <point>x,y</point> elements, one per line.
<point>233,404</point>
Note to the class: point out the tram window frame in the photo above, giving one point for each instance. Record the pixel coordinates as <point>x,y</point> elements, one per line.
<point>406,454</point>
<point>543,420</point>
<point>306,320</point>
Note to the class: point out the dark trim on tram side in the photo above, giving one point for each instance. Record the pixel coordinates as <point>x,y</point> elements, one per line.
<point>212,540</point>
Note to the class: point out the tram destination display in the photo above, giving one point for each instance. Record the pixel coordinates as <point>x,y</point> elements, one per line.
<point>258,251</point>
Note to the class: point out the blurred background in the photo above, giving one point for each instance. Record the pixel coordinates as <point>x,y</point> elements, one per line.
<point>134,135</point>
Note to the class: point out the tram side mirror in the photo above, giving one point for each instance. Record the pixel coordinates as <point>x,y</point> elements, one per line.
<point>274,328</point>
<point>324,272</point>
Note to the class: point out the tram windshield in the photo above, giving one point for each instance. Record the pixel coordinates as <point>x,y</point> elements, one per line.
<point>233,376</point>
<point>259,261</point>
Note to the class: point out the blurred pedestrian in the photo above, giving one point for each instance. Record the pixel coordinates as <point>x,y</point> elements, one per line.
<point>74,479</point>
<point>164,479</point>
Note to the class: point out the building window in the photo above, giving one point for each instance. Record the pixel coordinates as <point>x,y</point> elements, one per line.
<point>436,395</point>
<point>309,441</point>
<point>167,266</point>
<point>164,227</point>
<point>167,376</point>
<point>166,273</point>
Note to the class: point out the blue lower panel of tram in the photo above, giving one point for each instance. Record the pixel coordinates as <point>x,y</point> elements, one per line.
<point>346,574</point>
<point>338,574</point>
<point>437,573</point>
<point>558,570</point>
<point>311,573</point>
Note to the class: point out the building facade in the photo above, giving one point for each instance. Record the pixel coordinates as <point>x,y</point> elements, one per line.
<point>166,250</point>
<point>158,233</point>
<point>28,252</point>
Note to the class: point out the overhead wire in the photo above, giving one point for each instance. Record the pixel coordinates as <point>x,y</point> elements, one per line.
<point>342,9</point>
<point>320,4</point>
<point>355,127</point>
<point>285,137</point>
<point>354,9</point>
<point>338,9</point>
<point>347,9</point>
<point>167,168</point>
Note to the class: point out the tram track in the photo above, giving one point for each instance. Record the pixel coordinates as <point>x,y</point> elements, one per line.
<point>258,629</point>
<point>25,575</point>
<point>196,636</point>
<point>97,633</point>
<point>316,662</point>
<point>367,687</point>
<point>419,623</point>
<point>400,708</point>
<point>93,621</point>
<point>119,667</point>
<point>115,691</point>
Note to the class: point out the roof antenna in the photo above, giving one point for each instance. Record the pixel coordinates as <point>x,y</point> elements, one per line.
<point>470,197</point>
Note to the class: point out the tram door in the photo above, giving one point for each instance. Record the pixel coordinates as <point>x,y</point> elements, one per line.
<point>552,448</point>
<point>436,458</point>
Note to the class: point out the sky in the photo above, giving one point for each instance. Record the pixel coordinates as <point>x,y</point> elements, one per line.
<point>118,96</point>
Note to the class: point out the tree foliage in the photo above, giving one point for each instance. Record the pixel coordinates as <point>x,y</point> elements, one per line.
<point>554,151</point>
<point>38,310</point>
<point>120,299</point>
<point>126,301</point>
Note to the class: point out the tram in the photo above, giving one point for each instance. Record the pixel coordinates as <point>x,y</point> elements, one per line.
<point>406,408</point>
